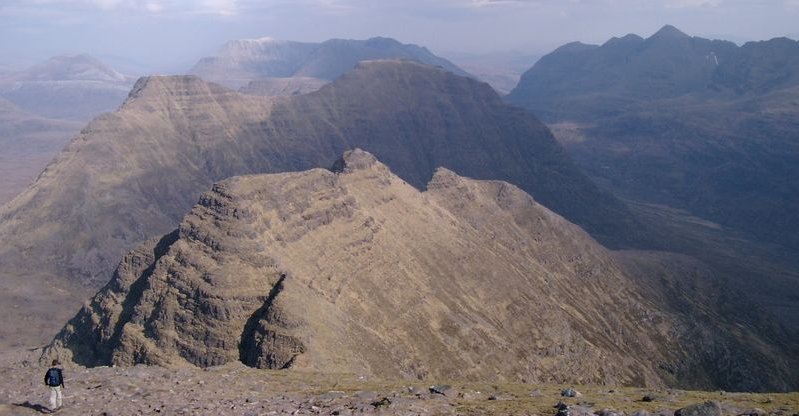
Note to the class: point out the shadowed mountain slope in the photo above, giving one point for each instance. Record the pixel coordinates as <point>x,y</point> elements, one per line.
<point>691,124</point>
<point>355,271</point>
<point>688,122</point>
<point>132,174</point>
<point>242,61</point>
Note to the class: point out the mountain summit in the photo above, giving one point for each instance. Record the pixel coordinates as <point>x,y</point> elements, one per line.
<point>242,61</point>
<point>669,32</point>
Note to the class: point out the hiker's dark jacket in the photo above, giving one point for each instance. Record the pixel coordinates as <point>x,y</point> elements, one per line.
<point>60,377</point>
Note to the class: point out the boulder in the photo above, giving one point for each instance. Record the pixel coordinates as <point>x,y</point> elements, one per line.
<point>701,409</point>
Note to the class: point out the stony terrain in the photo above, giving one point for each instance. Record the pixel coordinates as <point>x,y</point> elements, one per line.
<point>237,390</point>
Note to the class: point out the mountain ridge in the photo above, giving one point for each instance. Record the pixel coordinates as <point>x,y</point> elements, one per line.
<point>468,279</point>
<point>132,174</point>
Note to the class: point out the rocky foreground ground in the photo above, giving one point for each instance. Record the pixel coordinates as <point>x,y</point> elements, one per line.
<point>239,390</point>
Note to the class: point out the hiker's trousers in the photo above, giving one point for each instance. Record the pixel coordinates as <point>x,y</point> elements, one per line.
<point>55,397</point>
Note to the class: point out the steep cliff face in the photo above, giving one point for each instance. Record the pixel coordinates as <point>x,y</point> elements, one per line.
<point>354,270</point>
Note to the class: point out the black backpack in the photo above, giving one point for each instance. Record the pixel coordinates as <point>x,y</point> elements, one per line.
<point>53,377</point>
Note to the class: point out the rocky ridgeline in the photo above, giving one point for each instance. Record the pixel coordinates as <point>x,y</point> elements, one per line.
<point>352,270</point>
<point>133,174</point>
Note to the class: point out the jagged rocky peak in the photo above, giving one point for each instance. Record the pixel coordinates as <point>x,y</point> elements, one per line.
<point>354,160</point>
<point>301,269</point>
<point>357,272</point>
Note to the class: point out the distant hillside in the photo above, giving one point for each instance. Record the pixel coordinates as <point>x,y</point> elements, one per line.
<point>688,123</point>
<point>29,142</point>
<point>72,68</point>
<point>132,174</point>
<point>66,87</point>
<point>44,106</point>
<point>355,271</point>
<point>242,61</point>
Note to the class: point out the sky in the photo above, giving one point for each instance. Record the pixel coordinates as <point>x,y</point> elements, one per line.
<point>168,36</point>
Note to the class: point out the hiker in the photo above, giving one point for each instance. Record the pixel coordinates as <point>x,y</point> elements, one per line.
<point>54,378</point>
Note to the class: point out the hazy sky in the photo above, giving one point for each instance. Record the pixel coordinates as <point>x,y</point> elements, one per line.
<point>170,35</point>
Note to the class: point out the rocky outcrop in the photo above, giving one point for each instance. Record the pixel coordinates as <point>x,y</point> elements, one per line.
<point>701,409</point>
<point>353,270</point>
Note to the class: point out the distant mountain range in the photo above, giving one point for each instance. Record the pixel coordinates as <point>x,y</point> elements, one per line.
<point>585,82</point>
<point>694,124</point>
<point>703,125</point>
<point>242,61</point>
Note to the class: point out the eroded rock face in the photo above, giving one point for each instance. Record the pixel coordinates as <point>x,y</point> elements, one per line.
<point>353,270</point>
